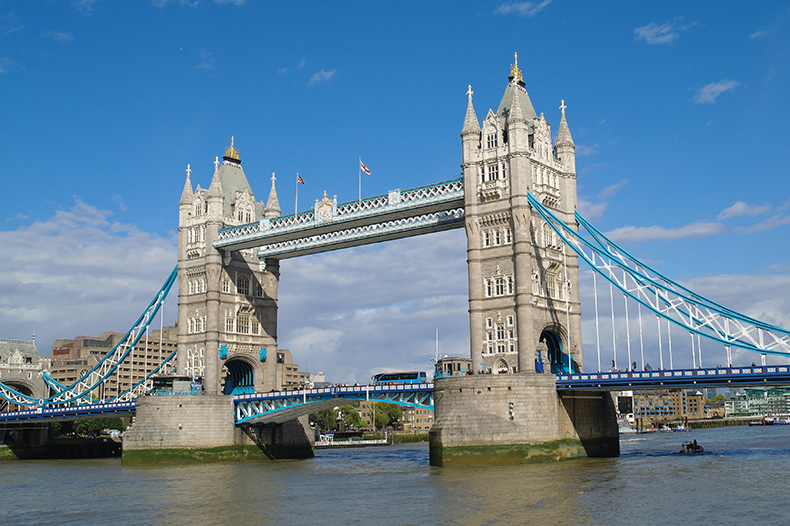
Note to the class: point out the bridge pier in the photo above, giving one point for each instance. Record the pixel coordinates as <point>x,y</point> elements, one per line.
<point>516,418</point>
<point>202,428</point>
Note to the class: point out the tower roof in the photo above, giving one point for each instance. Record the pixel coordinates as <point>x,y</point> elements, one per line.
<point>273,204</point>
<point>186,194</point>
<point>471,124</point>
<point>517,88</point>
<point>563,132</point>
<point>232,179</point>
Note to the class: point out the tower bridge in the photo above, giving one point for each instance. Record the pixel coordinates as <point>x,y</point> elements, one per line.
<point>516,200</point>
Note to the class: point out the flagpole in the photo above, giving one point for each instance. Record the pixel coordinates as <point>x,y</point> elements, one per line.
<point>359,167</point>
<point>296,201</point>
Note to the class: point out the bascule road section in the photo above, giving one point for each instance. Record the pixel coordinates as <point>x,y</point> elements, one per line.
<point>267,408</point>
<point>331,226</point>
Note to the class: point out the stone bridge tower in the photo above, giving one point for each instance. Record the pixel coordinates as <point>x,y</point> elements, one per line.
<point>524,307</point>
<point>523,287</point>
<point>227,301</point>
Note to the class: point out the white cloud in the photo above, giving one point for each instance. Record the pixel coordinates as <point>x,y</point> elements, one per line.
<point>83,6</point>
<point>79,273</point>
<point>583,150</point>
<point>206,61</point>
<point>709,93</point>
<point>322,75</point>
<point>740,208</point>
<point>528,9</point>
<point>650,233</point>
<point>666,33</point>
<point>593,208</point>
<point>4,63</point>
<point>355,312</point>
<point>59,36</point>
<point>759,33</point>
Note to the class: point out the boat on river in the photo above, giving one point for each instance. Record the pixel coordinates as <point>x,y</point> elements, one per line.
<point>691,447</point>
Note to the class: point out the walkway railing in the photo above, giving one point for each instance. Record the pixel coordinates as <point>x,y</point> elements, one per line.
<point>396,214</point>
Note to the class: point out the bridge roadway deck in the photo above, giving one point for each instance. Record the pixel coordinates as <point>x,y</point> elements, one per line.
<point>763,375</point>
<point>75,412</point>
<point>281,406</point>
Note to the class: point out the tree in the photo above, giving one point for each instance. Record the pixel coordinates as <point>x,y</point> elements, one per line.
<point>717,398</point>
<point>326,420</point>
<point>387,414</point>
<point>350,415</point>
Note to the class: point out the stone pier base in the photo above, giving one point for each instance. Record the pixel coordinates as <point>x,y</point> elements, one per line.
<point>201,428</point>
<point>510,419</point>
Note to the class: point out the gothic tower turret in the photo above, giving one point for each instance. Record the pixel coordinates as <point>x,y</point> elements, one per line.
<point>227,301</point>
<point>523,297</point>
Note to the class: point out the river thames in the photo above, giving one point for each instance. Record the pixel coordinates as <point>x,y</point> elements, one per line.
<point>740,479</point>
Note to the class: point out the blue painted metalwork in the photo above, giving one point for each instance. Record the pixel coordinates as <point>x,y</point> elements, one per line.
<point>79,391</point>
<point>74,412</point>
<point>223,352</point>
<point>240,379</point>
<point>262,354</point>
<point>282,406</point>
<point>665,379</point>
<point>662,296</point>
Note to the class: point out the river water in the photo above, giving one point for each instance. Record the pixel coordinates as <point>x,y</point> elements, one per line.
<point>742,478</point>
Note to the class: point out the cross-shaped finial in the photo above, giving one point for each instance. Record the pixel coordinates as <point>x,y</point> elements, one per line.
<point>189,171</point>
<point>273,178</point>
<point>469,92</point>
<point>562,106</point>
<point>216,162</point>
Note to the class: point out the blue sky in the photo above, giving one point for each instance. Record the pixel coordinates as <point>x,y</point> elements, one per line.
<point>678,110</point>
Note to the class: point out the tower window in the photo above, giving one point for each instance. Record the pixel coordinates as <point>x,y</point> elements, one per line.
<point>491,140</point>
<point>243,285</point>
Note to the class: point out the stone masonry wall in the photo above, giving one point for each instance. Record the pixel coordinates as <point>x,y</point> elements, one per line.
<point>498,409</point>
<point>166,422</point>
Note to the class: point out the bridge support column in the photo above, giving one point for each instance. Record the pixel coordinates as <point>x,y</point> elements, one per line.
<point>511,419</point>
<point>201,428</point>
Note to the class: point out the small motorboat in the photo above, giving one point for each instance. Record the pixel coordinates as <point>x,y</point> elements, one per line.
<point>691,447</point>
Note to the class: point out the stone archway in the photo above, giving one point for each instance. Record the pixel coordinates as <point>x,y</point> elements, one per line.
<point>501,367</point>
<point>557,359</point>
<point>238,377</point>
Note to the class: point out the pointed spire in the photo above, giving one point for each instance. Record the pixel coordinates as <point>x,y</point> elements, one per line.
<point>563,132</point>
<point>471,124</point>
<point>215,188</point>
<point>273,204</point>
<point>186,195</point>
<point>516,113</point>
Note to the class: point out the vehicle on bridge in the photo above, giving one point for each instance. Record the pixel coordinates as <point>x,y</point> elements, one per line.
<point>409,377</point>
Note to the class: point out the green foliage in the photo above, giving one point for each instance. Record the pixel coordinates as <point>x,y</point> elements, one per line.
<point>717,398</point>
<point>326,420</point>
<point>387,414</point>
<point>87,427</point>
<point>350,415</point>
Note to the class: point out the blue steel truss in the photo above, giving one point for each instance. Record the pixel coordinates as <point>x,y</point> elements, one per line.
<point>396,215</point>
<point>74,412</point>
<point>277,407</point>
<point>762,375</point>
<point>80,391</point>
<point>665,298</point>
